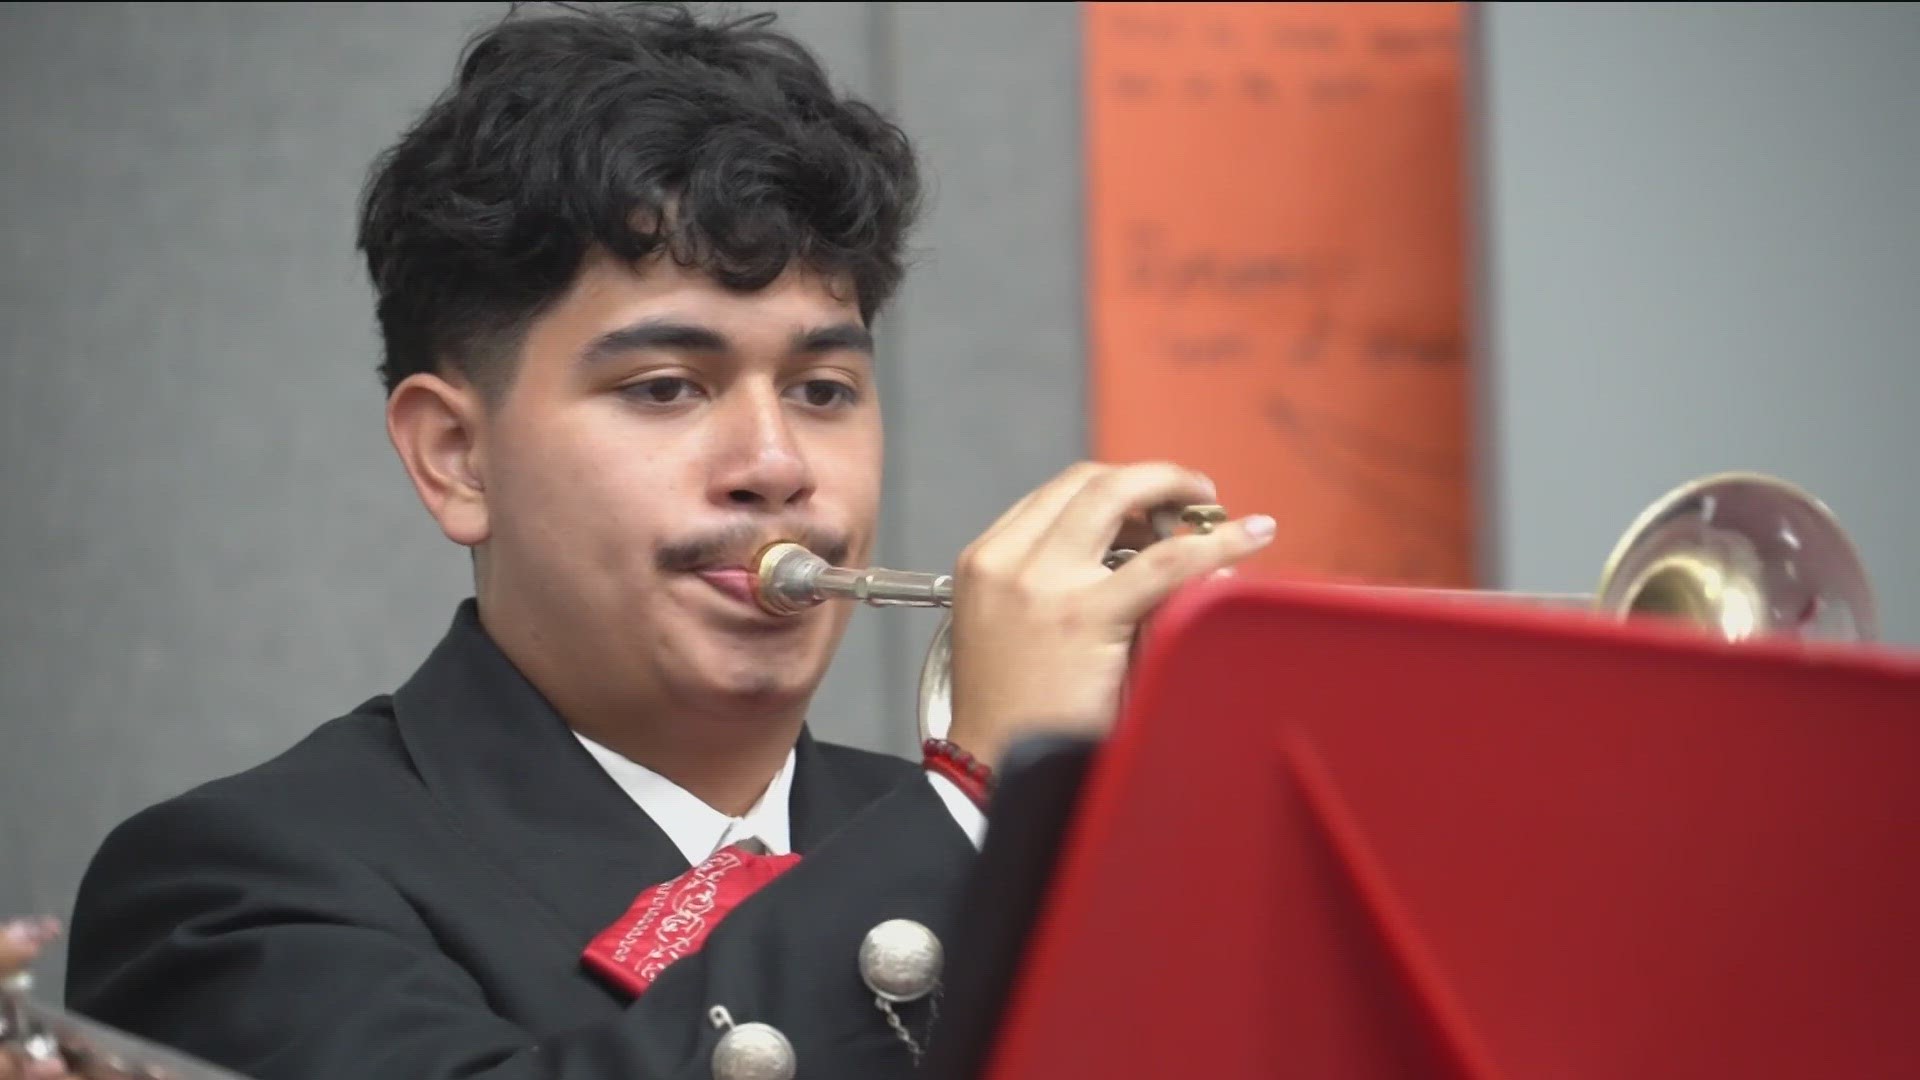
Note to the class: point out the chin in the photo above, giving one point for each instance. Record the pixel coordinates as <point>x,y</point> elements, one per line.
<point>753,663</point>
<point>770,678</point>
<point>766,689</point>
<point>751,697</point>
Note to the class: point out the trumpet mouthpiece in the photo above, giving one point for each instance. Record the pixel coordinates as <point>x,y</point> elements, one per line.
<point>784,576</point>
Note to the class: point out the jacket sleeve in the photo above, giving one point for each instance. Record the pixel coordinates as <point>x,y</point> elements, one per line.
<point>260,950</point>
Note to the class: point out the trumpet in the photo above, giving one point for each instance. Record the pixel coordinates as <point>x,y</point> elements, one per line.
<point>789,579</point>
<point>41,1032</point>
<point>1736,555</point>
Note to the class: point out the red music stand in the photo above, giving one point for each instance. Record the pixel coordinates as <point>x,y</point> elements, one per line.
<point>1346,834</point>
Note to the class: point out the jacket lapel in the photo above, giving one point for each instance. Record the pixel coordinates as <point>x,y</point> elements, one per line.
<point>513,777</point>
<point>818,804</point>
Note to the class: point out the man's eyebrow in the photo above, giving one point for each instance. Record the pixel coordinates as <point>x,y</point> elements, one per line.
<point>840,337</point>
<point>689,337</point>
<point>652,334</point>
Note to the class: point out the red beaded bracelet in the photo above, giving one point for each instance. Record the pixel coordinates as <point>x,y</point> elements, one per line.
<point>960,767</point>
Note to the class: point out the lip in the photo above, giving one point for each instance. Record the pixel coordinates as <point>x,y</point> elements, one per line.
<point>735,582</point>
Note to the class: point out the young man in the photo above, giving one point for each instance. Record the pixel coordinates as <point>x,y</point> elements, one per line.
<point>625,272</point>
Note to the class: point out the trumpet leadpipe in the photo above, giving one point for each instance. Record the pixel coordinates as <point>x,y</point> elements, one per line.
<point>789,579</point>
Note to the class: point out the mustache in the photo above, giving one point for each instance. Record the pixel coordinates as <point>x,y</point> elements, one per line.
<point>741,541</point>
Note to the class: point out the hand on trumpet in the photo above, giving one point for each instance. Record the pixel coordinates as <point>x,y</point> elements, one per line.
<point>20,944</point>
<point>1041,628</point>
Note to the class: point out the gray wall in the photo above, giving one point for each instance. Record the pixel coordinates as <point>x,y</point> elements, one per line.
<point>1703,224</point>
<point>208,547</point>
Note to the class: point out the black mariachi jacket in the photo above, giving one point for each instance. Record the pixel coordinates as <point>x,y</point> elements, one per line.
<point>406,894</point>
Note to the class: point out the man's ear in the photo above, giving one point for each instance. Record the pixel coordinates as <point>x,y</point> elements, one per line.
<point>435,426</point>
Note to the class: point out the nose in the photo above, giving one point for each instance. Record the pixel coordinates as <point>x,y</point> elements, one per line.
<point>762,466</point>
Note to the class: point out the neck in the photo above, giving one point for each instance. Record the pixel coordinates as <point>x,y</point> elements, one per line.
<point>729,773</point>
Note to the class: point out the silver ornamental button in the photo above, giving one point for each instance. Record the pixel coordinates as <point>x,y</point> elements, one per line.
<point>753,1052</point>
<point>900,960</point>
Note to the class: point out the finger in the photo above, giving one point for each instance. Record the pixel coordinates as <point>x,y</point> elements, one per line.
<point>1145,580</point>
<point>1044,506</point>
<point>15,955</point>
<point>22,940</point>
<point>15,1065</point>
<point>1091,520</point>
<point>1028,518</point>
<point>1066,481</point>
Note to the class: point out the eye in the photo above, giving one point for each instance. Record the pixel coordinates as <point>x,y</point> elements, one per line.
<point>664,390</point>
<point>827,393</point>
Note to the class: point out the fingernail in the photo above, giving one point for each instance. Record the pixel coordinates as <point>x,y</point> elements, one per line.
<point>1260,527</point>
<point>32,931</point>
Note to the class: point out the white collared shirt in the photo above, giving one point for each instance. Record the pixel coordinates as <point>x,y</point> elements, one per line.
<point>699,830</point>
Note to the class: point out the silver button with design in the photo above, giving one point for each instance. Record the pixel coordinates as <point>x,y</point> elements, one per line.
<point>901,960</point>
<point>752,1051</point>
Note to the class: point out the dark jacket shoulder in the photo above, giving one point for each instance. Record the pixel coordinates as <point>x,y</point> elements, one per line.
<point>356,765</point>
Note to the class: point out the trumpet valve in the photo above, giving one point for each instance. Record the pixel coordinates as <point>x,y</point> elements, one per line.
<point>1203,519</point>
<point>1166,522</point>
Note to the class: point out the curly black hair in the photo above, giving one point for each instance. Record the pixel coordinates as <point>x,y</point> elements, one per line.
<point>632,129</point>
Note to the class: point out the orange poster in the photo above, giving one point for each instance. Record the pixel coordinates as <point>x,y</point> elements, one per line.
<point>1278,271</point>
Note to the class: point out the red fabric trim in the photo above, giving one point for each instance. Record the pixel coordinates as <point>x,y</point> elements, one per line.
<point>672,919</point>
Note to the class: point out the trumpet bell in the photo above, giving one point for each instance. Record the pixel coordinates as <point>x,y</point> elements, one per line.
<point>1741,555</point>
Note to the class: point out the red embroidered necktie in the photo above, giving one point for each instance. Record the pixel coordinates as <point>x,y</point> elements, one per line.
<point>672,919</point>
